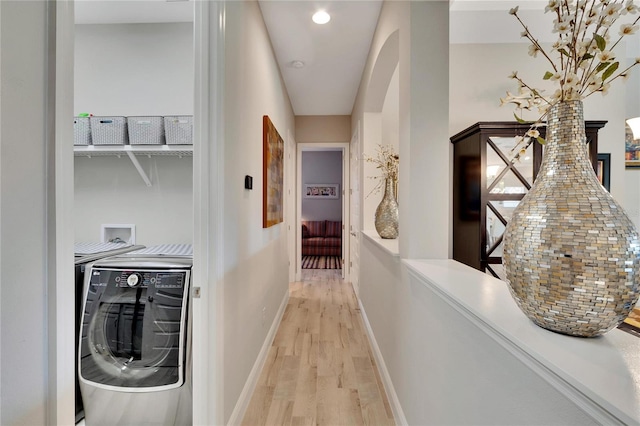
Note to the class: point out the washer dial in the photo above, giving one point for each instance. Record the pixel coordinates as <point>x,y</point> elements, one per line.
<point>134,279</point>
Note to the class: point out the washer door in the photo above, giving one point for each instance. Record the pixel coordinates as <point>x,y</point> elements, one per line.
<point>133,329</point>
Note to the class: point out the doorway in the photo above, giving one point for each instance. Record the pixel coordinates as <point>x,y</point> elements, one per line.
<point>144,75</point>
<point>322,207</point>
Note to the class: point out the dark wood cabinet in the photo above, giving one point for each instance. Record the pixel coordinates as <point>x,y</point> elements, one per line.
<point>488,183</point>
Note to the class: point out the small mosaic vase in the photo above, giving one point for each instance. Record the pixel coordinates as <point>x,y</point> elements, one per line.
<point>570,251</point>
<point>386,219</point>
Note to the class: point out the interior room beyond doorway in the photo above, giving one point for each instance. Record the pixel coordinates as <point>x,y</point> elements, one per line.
<point>321,209</point>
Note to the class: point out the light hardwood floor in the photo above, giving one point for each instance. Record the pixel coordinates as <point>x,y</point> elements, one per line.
<point>320,369</point>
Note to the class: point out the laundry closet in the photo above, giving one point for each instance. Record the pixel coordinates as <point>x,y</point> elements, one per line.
<point>133,172</point>
<point>132,70</point>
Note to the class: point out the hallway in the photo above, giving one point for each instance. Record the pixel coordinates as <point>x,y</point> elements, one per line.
<point>320,369</point>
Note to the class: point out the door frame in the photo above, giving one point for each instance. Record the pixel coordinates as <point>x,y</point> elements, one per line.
<point>324,146</point>
<point>355,193</point>
<point>61,329</point>
<point>290,203</point>
<point>209,25</point>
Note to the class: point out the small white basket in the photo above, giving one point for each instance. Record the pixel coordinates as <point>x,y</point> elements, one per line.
<point>146,130</point>
<point>179,129</point>
<point>109,130</point>
<point>81,131</point>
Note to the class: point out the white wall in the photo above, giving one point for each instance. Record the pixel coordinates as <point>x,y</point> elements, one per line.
<point>24,246</point>
<point>109,190</point>
<point>321,167</point>
<point>134,69</point>
<point>382,129</point>
<point>445,369</point>
<point>391,112</point>
<point>255,259</point>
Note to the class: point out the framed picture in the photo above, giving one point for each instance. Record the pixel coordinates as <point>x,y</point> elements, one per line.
<point>273,174</point>
<point>604,170</point>
<point>327,191</point>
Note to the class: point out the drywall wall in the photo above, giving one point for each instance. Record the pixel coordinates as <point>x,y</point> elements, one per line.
<point>255,260</point>
<point>24,180</point>
<point>391,113</point>
<point>383,129</point>
<point>323,128</point>
<point>448,370</point>
<point>109,190</point>
<point>134,69</point>
<point>321,167</point>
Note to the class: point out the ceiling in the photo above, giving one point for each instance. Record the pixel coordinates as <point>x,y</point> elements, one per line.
<point>333,55</point>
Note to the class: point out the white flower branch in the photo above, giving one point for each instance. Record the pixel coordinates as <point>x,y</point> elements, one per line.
<point>388,162</point>
<point>585,63</point>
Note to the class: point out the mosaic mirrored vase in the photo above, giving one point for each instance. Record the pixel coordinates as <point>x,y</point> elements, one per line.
<point>386,218</point>
<point>570,251</point>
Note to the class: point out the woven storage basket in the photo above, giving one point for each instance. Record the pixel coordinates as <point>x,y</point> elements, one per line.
<point>179,129</point>
<point>146,130</point>
<point>81,131</point>
<point>109,130</point>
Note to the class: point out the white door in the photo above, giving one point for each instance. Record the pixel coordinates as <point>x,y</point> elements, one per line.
<point>354,222</point>
<point>345,211</point>
<point>290,197</point>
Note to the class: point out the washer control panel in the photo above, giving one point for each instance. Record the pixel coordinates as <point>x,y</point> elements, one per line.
<point>133,279</point>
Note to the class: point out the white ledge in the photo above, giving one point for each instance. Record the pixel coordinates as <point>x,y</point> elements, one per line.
<point>391,246</point>
<point>601,375</point>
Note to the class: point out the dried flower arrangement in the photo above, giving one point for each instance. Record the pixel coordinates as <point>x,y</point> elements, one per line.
<point>582,59</point>
<point>387,161</point>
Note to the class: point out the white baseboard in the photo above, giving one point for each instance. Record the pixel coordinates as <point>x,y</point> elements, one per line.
<point>250,385</point>
<point>398,414</point>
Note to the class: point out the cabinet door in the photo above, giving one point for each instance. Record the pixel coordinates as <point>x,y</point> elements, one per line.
<point>509,176</point>
<point>509,169</point>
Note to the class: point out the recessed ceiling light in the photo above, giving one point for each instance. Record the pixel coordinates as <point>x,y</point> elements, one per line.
<point>296,64</point>
<point>321,17</point>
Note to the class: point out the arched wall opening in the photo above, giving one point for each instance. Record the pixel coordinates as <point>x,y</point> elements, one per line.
<point>380,122</point>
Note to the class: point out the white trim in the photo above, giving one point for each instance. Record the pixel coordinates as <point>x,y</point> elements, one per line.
<point>60,236</point>
<point>353,271</point>
<point>208,172</point>
<point>290,212</point>
<point>250,385</point>
<point>394,402</point>
<point>346,211</point>
<point>1,393</point>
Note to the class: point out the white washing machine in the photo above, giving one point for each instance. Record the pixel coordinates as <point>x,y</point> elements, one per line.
<point>86,252</point>
<point>135,350</point>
